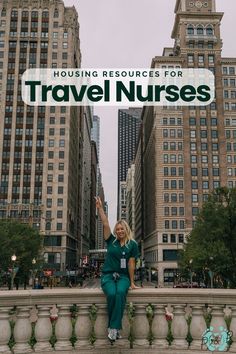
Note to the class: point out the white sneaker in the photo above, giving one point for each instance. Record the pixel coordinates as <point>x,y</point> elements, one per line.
<point>118,335</point>
<point>112,334</point>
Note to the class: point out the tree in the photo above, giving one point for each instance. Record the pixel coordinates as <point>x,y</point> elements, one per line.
<point>21,240</point>
<point>211,245</point>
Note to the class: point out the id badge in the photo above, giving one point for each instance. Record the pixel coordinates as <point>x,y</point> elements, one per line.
<point>123,263</point>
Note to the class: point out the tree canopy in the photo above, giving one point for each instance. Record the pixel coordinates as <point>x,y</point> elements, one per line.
<point>21,240</point>
<point>212,243</point>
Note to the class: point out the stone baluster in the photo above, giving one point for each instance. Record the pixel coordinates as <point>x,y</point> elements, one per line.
<point>218,317</point>
<point>197,327</point>
<point>43,330</point>
<point>179,328</point>
<point>101,327</point>
<point>83,328</point>
<point>141,327</point>
<point>5,330</point>
<point>63,329</point>
<point>233,329</point>
<point>160,328</point>
<point>22,330</point>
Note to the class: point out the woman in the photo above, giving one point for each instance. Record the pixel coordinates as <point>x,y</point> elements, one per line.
<point>118,270</point>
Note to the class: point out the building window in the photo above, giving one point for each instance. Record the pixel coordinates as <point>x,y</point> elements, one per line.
<point>201,58</point>
<point>173,238</point>
<point>59,202</point>
<point>174,224</point>
<point>190,30</point>
<point>190,58</point>
<point>209,31</point>
<point>194,184</point>
<point>167,224</point>
<point>165,238</point>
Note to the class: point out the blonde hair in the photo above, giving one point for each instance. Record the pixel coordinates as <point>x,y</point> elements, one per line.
<point>128,232</point>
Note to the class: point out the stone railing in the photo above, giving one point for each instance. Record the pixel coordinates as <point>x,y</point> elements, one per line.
<point>75,321</point>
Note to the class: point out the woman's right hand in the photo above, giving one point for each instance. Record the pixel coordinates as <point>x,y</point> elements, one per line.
<point>98,203</point>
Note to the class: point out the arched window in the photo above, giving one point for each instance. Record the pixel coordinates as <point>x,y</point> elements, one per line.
<point>4,12</point>
<point>34,14</point>
<point>200,30</point>
<point>56,13</point>
<point>190,30</point>
<point>45,14</point>
<point>209,31</point>
<point>14,13</point>
<point>25,13</point>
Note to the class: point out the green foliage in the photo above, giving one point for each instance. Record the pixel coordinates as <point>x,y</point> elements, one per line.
<point>32,340</point>
<point>131,315</point>
<point>93,316</point>
<point>150,316</point>
<point>21,240</point>
<point>73,337</point>
<point>53,338</point>
<point>12,340</point>
<point>212,243</point>
<point>169,336</point>
<point>189,337</point>
<point>74,310</point>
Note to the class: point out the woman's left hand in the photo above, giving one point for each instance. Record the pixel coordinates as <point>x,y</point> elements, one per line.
<point>133,286</point>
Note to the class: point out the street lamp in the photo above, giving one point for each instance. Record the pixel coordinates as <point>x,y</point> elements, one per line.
<point>211,273</point>
<point>34,271</point>
<point>191,273</point>
<point>14,270</point>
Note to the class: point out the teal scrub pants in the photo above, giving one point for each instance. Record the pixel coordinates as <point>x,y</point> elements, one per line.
<point>115,292</point>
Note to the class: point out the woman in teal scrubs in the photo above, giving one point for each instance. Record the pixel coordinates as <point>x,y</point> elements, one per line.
<point>118,270</point>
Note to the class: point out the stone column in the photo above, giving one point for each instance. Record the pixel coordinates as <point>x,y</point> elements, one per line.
<point>160,328</point>
<point>197,327</point>
<point>83,328</point>
<point>22,331</point>
<point>233,329</point>
<point>101,327</point>
<point>141,327</point>
<point>43,330</point>
<point>5,330</point>
<point>179,328</point>
<point>63,329</point>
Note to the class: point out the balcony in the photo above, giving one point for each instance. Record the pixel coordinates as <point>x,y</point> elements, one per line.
<point>44,321</point>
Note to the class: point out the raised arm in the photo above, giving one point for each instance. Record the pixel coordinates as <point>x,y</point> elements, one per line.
<point>105,222</point>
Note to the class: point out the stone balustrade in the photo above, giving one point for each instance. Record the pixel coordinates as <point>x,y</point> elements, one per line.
<point>64,321</point>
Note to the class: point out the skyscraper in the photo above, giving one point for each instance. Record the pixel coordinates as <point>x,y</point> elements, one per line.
<point>40,153</point>
<point>189,151</point>
<point>128,130</point>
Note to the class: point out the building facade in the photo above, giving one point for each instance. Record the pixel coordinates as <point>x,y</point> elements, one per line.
<point>190,151</point>
<point>128,130</point>
<point>40,153</point>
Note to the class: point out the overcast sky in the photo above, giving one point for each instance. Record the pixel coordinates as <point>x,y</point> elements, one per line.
<point>129,33</point>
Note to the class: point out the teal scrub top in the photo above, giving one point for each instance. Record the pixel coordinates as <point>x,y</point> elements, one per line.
<point>115,252</point>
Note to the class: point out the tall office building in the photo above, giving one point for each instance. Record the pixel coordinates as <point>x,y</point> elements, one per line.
<point>128,130</point>
<point>190,151</point>
<point>40,153</point>
<point>95,133</point>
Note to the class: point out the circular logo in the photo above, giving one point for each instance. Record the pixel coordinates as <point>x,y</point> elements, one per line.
<point>198,4</point>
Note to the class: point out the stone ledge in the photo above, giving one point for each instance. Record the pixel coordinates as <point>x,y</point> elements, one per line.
<point>111,350</point>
